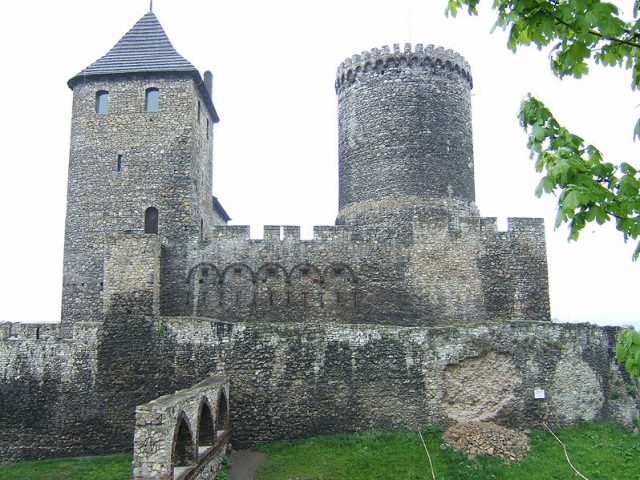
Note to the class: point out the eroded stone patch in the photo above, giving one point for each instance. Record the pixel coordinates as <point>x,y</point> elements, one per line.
<point>478,388</point>
<point>575,392</point>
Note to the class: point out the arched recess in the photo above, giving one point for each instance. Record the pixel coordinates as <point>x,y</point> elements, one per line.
<point>237,268</point>
<point>222,413</point>
<point>271,291</point>
<point>340,286</point>
<point>306,287</point>
<point>237,297</point>
<point>183,452</point>
<point>206,427</point>
<point>203,269</point>
<point>151,220</point>
<point>204,290</point>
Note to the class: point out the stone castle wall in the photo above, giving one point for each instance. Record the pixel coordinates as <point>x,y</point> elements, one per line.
<point>78,395</point>
<point>49,404</point>
<point>132,267</point>
<point>296,380</point>
<point>428,271</point>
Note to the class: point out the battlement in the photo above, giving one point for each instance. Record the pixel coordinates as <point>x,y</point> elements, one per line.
<point>33,331</point>
<point>328,233</point>
<point>411,57</point>
<point>474,225</point>
<point>515,225</point>
<point>275,233</point>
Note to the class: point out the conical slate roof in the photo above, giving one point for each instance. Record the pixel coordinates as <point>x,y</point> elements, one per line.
<point>144,48</point>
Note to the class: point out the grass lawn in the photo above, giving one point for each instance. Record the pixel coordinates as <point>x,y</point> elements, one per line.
<point>599,452</point>
<point>107,467</point>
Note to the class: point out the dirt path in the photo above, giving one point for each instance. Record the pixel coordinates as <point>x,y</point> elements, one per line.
<point>245,464</point>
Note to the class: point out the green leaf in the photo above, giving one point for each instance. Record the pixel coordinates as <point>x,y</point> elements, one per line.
<point>571,200</point>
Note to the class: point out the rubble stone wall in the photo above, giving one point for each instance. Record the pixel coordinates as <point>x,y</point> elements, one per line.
<point>75,395</point>
<point>49,404</point>
<point>296,380</point>
<point>422,272</point>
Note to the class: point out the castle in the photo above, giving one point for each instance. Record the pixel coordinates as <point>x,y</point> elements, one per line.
<point>412,309</point>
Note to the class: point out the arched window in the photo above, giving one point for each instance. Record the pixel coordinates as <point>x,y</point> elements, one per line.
<point>152,99</point>
<point>102,102</point>
<point>151,220</point>
<point>206,435</point>
<point>183,453</point>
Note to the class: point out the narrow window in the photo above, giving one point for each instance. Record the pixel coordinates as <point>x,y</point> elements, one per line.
<point>198,111</point>
<point>120,163</point>
<point>102,102</point>
<point>151,220</point>
<point>207,128</point>
<point>152,99</point>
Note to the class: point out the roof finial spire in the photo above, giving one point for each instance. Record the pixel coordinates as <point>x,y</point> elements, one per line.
<point>151,5</point>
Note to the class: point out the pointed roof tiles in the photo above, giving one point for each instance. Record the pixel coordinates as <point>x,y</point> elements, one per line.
<point>144,48</point>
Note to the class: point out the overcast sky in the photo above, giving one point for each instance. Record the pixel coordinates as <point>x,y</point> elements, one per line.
<point>275,152</point>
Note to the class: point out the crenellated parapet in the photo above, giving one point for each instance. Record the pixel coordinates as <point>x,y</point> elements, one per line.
<point>430,59</point>
<point>427,270</point>
<point>29,331</point>
<point>404,134</point>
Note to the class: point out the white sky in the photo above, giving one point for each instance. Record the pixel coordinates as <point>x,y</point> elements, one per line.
<point>275,150</point>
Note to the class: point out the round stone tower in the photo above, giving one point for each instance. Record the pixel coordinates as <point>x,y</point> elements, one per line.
<point>405,140</point>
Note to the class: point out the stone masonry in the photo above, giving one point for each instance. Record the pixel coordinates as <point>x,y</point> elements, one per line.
<point>185,433</point>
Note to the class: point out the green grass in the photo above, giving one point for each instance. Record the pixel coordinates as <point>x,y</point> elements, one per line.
<point>108,467</point>
<point>599,451</point>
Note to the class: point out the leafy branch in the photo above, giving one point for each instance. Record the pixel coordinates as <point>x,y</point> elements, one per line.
<point>628,351</point>
<point>588,188</point>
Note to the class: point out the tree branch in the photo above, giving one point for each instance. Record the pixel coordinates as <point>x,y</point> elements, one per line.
<point>604,37</point>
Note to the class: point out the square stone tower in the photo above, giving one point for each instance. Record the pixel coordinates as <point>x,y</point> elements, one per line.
<point>140,165</point>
